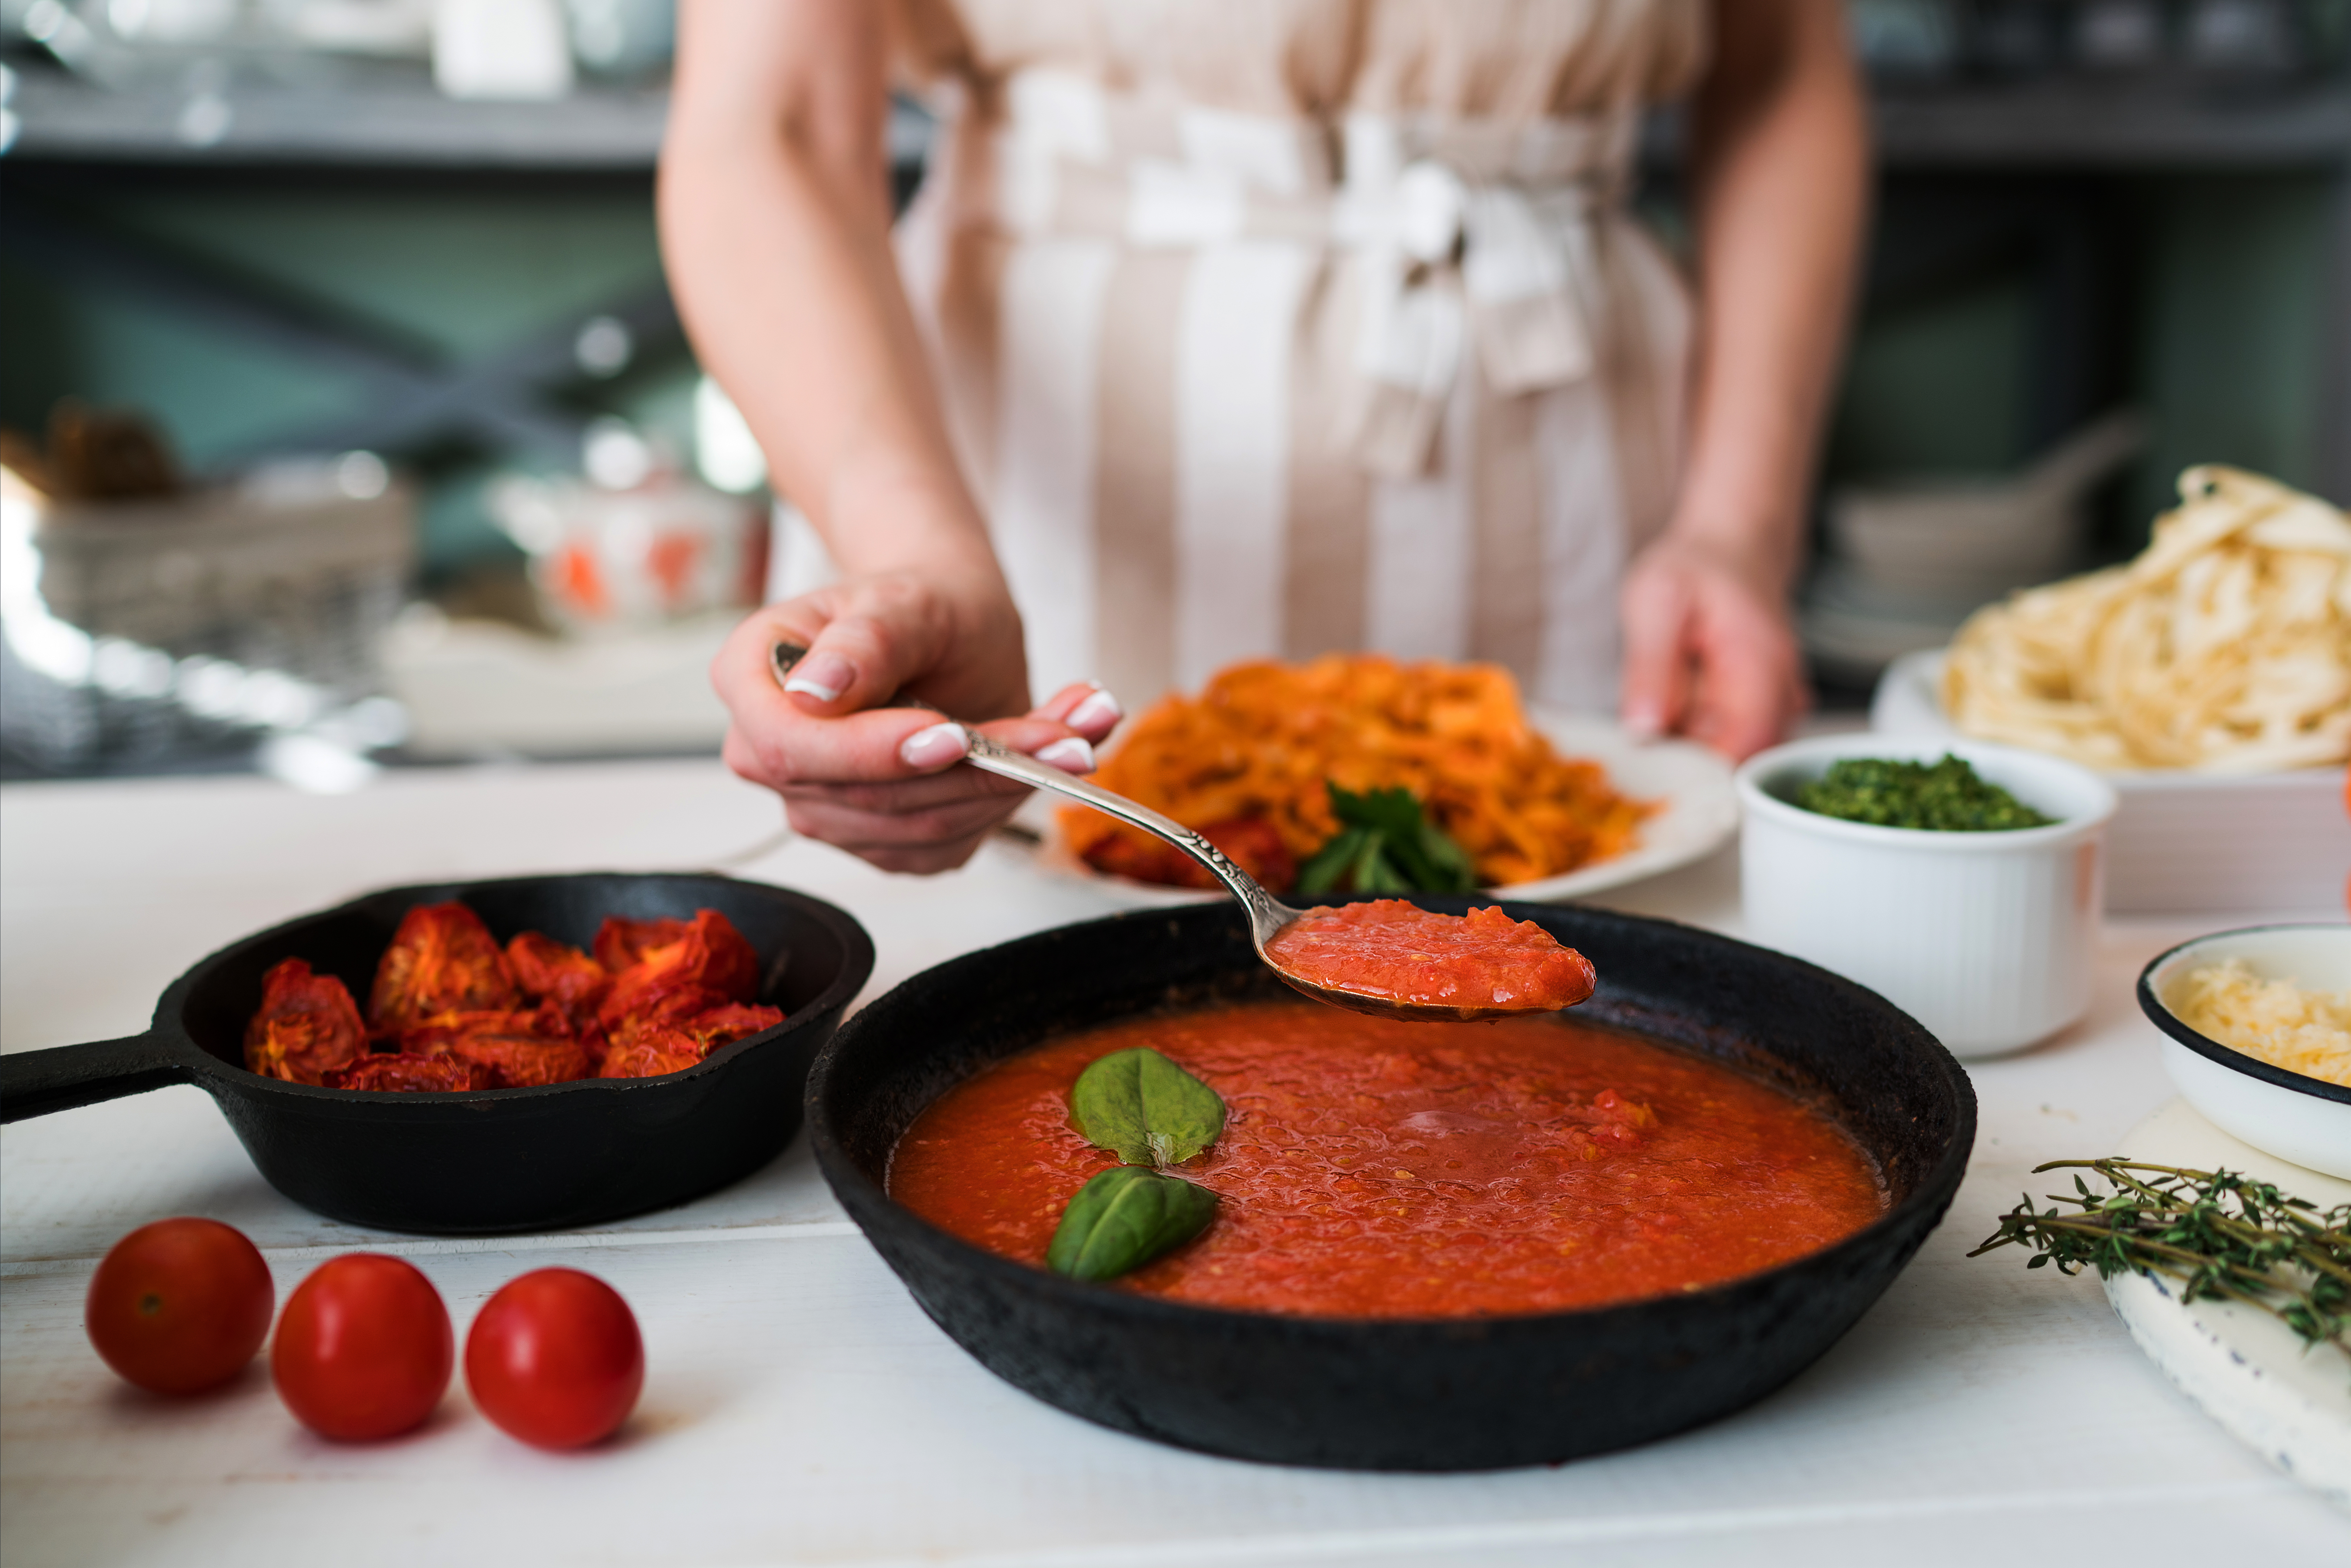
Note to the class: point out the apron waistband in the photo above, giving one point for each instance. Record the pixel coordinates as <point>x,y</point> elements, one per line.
<point>1469,230</point>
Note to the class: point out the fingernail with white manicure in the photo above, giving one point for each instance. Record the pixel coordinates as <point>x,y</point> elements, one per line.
<point>823,676</point>
<point>1099,711</point>
<point>934,748</point>
<point>1071,756</point>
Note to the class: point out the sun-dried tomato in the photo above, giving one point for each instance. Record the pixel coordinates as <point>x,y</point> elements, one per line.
<point>653,1052</point>
<point>725,1025</point>
<point>594,1042</point>
<point>657,996</point>
<point>443,959</point>
<point>662,1010</point>
<point>521,1046</point>
<point>552,971</point>
<point>405,1073</point>
<point>620,942</point>
<point>308,1026</point>
<point>656,1045</point>
<point>664,955</point>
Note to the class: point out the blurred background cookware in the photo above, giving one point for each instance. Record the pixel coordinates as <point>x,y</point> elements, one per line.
<point>144,618</point>
<point>1908,558</point>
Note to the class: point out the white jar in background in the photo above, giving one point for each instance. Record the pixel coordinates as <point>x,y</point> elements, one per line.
<point>1987,938</point>
<point>514,50</point>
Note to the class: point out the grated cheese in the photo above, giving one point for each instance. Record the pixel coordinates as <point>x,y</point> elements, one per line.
<point>2275,1021</point>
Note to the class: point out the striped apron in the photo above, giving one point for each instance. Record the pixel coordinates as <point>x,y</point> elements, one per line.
<point>1233,384</point>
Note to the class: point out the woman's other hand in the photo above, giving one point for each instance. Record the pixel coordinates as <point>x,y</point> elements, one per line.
<point>1780,183</point>
<point>883,781</point>
<point>1708,652</point>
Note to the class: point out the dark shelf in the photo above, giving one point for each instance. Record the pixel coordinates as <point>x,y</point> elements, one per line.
<point>396,119</point>
<point>2092,124</point>
<point>385,121</point>
<point>377,123</point>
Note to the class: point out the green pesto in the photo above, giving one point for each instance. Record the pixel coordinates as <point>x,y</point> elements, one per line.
<point>1944,797</point>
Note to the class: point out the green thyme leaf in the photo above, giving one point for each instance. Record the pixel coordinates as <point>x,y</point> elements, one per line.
<point>1385,844</point>
<point>2222,1236</point>
<point>1124,1218</point>
<point>1144,1109</point>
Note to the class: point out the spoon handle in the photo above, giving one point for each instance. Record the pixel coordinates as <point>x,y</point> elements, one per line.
<point>993,756</point>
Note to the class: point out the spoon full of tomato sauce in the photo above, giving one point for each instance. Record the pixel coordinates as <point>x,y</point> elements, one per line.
<point>1385,958</point>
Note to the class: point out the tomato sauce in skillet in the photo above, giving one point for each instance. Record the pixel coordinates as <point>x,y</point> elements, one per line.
<point>1376,1169</point>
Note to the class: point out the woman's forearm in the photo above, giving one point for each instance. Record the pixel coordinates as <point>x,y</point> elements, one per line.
<point>1781,164</point>
<point>775,226</point>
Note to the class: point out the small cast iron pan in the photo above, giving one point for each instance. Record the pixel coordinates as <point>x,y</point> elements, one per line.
<point>1427,1395</point>
<point>500,1160</point>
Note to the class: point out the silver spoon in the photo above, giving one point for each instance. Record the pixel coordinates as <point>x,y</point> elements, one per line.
<point>1266,913</point>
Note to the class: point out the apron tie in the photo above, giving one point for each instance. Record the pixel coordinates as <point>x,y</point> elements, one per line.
<point>1468,232</point>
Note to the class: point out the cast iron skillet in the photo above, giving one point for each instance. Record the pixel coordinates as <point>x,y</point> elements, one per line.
<point>1447,1394</point>
<point>499,1160</point>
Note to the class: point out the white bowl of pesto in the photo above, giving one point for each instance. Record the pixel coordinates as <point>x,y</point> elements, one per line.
<point>1987,938</point>
<point>2256,1036</point>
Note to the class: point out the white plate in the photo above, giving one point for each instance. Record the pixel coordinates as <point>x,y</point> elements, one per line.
<point>2181,842</point>
<point>1700,814</point>
<point>2242,1367</point>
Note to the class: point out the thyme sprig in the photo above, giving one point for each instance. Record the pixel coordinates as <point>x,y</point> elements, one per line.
<point>2224,1237</point>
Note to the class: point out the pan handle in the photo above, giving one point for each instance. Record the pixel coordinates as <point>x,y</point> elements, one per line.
<point>36,1083</point>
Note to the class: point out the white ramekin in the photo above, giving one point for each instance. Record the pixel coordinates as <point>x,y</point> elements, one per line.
<point>1988,939</point>
<point>2298,1118</point>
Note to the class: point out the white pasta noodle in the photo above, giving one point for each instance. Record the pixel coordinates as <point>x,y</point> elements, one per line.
<point>2225,647</point>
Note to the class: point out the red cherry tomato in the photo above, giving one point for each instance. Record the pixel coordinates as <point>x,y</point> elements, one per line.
<point>554,1359</point>
<point>180,1306</point>
<point>363,1348</point>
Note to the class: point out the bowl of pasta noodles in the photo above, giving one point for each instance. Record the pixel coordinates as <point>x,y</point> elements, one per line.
<point>1269,759</point>
<point>2209,680</point>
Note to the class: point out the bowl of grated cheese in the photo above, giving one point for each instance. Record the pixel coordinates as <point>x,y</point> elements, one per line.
<point>2258,1036</point>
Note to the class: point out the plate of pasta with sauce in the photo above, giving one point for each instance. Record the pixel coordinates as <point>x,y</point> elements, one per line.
<point>1359,773</point>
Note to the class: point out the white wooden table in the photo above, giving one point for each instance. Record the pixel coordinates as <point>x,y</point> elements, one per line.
<point>800,1409</point>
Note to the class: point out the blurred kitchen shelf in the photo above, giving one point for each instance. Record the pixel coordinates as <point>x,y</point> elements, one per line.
<point>2084,122</point>
<point>384,119</point>
<point>394,118</point>
<point>388,120</point>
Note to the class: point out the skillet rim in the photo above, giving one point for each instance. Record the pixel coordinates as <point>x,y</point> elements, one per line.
<point>169,1019</point>
<point>1934,1189</point>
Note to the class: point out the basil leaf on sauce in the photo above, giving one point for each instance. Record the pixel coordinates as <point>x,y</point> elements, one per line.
<point>1124,1218</point>
<point>1144,1109</point>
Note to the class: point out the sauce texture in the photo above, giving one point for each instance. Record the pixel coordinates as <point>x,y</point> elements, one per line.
<point>1376,1169</point>
<point>1390,948</point>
